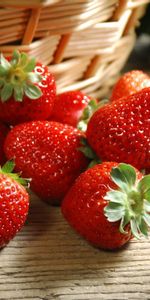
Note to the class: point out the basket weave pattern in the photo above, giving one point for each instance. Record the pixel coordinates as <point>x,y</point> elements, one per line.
<point>84,42</point>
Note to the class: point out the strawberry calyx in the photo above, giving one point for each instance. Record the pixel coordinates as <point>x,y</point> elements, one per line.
<point>18,77</point>
<point>8,168</point>
<point>130,204</point>
<point>89,152</point>
<point>92,106</point>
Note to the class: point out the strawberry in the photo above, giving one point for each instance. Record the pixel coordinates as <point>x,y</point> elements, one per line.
<point>109,204</point>
<point>27,89</point>
<point>3,133</point>
<point>14,203</point>
<point>120,131</point>
<point>69,107</point>
<point>47,152</point>
<point>130,83</point>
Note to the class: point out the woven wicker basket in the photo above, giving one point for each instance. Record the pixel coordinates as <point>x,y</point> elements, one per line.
<point>84,42</point>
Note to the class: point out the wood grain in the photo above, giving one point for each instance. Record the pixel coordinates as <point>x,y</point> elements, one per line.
<point>48,260</point>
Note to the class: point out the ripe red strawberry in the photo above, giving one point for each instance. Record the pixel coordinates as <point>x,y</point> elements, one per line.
<point>109,204</point>
<point>120,131</point>
<point>3,133</point>
<point>130,83</point>
<point>47,152</point>
<point>14,203</point>
<point>27,89</point>
<point>69,106</point>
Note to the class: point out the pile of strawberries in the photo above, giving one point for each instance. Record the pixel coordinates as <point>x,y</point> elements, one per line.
<point>86,155</point>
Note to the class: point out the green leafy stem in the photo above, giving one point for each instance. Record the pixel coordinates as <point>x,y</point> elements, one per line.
<point>18,77</point>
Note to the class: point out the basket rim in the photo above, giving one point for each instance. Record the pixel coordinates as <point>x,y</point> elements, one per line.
<point>28,3</point>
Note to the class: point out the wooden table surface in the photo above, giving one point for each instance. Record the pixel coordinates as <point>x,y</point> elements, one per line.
<point>48,260</point>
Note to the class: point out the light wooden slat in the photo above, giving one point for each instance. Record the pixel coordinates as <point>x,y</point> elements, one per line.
<point>47,260</point>
<point>28,3</point>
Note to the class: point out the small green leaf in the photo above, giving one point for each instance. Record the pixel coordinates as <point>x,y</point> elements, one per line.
<point>6,92</point>
<point>23,181</point>
<point>115,196</point>
<point>30,65</point>
<point>83,141</point>
<point>89,110</point>
<point>134,228</point>
<point>146,206</point>
<point>23,60</point>
<point>112,206</point>
<point>18,93</point>
<point>88,152</point>
<point>114,213</point>
<point>129,173</point>
<point>15,58</point>
<point>93,163</point>
<point>32,91</point>
<point>147,195</point>
<point>3,71</point>
<point>123,223</point>
<point>1,82</point>
<point>124,176</point>
<point>82,125</point>
<point>144,186</point>
<point>143,227</point>
<point>8,167</point>
<point>118,178</point>
<point>33,77</point>
<point>5,63</point>
<point>86,113</point>
<point>146,218</point>
<point>144,183</point>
